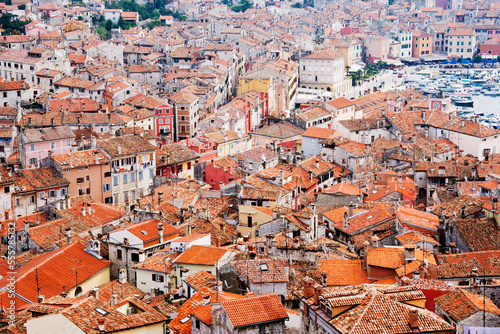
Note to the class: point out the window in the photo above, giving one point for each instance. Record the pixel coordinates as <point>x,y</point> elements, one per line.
<point>107,187</point>
<point>125,178</point>
<point>107,174</point>
<point>32,147</point>
<point>79,180</point>
<point>42,194</point>
<point>63,192</point>
<point>52,145</point>
<point>108,200</point>
<point>158,278</point>
<point>115,180</point>
<point>6,190</point>
<point>52,193</point>
<point>32,199</point>
<point>81,192</point>
<point>119,254</point>
<point>33,161</point>
<point>141,175</point>
<point>152,172</point>
<point>134,257</point>
<point>132,177</point>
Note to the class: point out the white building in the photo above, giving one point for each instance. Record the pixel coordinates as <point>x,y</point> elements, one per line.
<point>321,70</point>
<point>112,14</point>
<point>133,165</point>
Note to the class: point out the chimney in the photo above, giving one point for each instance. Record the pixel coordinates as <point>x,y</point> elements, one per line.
<point>374,241</point>
<point>495,203</point>
<point>345,224</point>
<point>26,227</point>
<point>101,322</point>
<point>40,299</point>
<point>94,293</point>
<point>416,274</point>
<point>152,292</point>
<point>160,232</point>
<point>119,149</point>
<point>318,291</point>
<point>89,209</point>
<point>462,212</point>
<point>423,115</point>
<point>317,163</point>
<point>217,242</point>
<point>188,141</point>
<point>351,209</point>
<point>473,276</point>
<point>451,116</point>
<point>413,321</point>
<point>160,196</point>
<point>68,235</point>
<point>68,201</point>
<point>462,123</point>
<point>310,177</point>
<point>409,253</point>
<point>308,288</point>
<point>122,276</point>
<point>378,123</point>
<point>114,300</point>
<point>83,212</point>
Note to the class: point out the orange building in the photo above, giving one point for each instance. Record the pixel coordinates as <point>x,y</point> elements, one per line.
<point>421,44</point>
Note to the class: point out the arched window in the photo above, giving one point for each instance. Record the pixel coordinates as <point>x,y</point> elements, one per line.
<point>78,291</point>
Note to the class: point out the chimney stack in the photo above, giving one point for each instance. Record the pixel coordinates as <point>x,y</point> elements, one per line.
<point>495,203</point>
<point>101,322</point>
<point>345,224</point>
<point>317,163</point>
<point>160,231</point>
<point>374,241</point>
<point>68,235</point>
<point>318,291</point>
<point>160,196</point>
<point>94,292</point>
<point>89,208</point>
<point>413,321</point>
<point>26,227</point>
<point>308,288</point>
<point>351,209</point>
<point>40,299</point>
<point>416,274</point>
<point>83,212</point>
<point>114,300</point>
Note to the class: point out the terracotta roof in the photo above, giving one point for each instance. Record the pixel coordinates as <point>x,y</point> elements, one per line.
<point>261,271</point>
<point>461,304</point>
<point>412,238</point>
<point>43,177</point>
<point>255,310</point>
<point>358,223</point>
<point>279,130</point>
<point>80,158</point>
<point>460,265</point>
<point>53,270</point>
<point>159,262</point>
<point>201,279</point>
<point>344,272</point>
<point>322,133</point>
<point>479,234</point>
<point>147,230</point>
<point>340,103</point>
<point>174,154</point>
<point>202,255</point>
<point>48,134</point>
<point>128,145</point>
<point>421,219</point>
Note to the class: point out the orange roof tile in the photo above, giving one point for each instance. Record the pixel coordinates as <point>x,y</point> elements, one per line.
<point>203,255</point>
<point>344,272</point>
<point>255,310</point>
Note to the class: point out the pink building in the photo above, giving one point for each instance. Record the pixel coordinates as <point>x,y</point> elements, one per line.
<point>490,48</point>
<point>35,144</point>
<point>164,122</point>
<point>377,48</point>
<point>204,146</point>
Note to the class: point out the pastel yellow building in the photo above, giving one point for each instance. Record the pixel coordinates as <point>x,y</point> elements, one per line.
<point>251,217</point>
<point>263,85</point>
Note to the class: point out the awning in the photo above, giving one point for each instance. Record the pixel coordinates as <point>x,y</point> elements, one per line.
<point>434,57</point>
<point>355,67</point>
<point>393,62</point>
<point>409,59</point>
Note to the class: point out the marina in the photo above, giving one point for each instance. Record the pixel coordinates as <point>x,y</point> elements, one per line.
<point>475,94</point>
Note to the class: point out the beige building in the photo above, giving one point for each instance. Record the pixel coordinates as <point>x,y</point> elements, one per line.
<point>251,217</point>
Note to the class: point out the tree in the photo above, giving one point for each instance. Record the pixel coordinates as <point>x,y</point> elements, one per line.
<point>109,25</point>
<point>241,6</point>
<point>80,18</point>
<point>297,5</point>
<point>478,58</point>
<point>103,33</point>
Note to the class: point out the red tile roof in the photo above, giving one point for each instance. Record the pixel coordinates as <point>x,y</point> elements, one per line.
<point>344,272</point>
<point>365,220</point>
<point>54,271</point>
<point>460,265</point>
<point>203,255</point>
<point>255,310</point>
<point>461,304</point>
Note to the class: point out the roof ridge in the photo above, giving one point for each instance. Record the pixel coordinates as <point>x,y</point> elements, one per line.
<point>372,297</point>
<point>467,296</point>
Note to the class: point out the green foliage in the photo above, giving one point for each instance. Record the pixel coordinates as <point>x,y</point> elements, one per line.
<point>80,18</point>
<point>152,10</point>
<point>153,23</point>
<point>478,58</point>
<point>297,5</point>
<point>241,6</point>
<point>103,33</point>
<point>12,25</point>
<point>109,25</point>
<point>270,3</point>
<point>21,7</point>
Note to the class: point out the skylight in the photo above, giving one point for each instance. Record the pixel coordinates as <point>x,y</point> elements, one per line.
<point>186,319</point>
<point>144,232</point>
<point>101,311</point>
<point>263,267</point>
